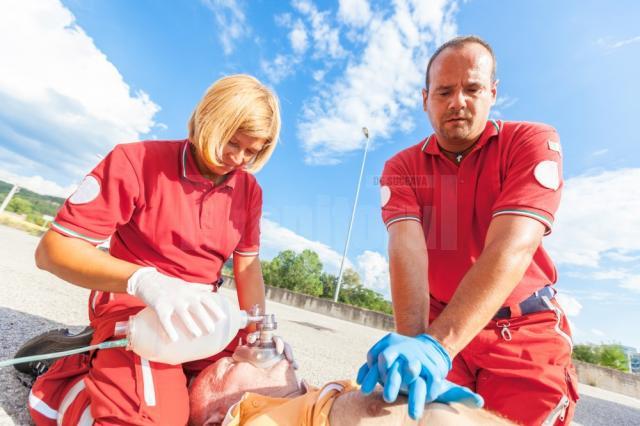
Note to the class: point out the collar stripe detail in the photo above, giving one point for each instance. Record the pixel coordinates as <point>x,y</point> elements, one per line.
<point>424,146</point>
<point>548,223</point>
<point>76,234</point>
<point>184,160</point>
<point>495,124</point>
<point>401,218</point>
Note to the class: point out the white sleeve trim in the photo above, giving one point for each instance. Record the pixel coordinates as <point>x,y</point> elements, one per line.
<point>246,253</point>
<point>401,218</point>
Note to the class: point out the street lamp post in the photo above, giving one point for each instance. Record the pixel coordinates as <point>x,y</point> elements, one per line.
<point>365,131</point>
<point>8,198</point>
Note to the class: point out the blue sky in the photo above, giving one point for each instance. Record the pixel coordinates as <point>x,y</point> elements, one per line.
<point>78,77</point>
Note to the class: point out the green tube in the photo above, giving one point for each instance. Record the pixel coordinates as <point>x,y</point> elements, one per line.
<point>104,345</point>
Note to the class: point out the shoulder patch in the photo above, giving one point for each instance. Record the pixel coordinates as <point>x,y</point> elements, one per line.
<point>385,195</point>
<point>554,146</point>
<point>547,174</point>
<point>88,191</point>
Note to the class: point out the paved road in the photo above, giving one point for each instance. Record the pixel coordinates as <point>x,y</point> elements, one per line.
<point>32,301</point>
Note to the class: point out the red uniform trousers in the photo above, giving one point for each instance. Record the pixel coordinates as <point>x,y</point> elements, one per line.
<point>521,366</point>
<point>114,386</point>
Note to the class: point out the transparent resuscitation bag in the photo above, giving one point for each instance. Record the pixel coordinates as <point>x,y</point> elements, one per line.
<point>148,339</point>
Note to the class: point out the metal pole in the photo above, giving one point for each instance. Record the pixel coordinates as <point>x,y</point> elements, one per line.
<point>353,214</point>
<point>8,198</point>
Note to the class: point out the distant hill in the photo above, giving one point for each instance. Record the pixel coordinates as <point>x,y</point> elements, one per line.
<point>31,201</point>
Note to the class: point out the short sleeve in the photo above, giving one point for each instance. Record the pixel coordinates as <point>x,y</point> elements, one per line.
<point>397,194</point>
<point>249,244</point>
<point>532,181</point>
<point>105,199</point>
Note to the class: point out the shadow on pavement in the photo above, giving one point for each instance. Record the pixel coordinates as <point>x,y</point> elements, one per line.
<point>18,327</point>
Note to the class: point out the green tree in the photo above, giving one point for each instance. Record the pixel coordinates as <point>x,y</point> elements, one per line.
<point>303,273</point>
<point>329,283</point>
<point>19,205</point>
<point>585,353</point>
<point>353,292</point>
<point>614,357</point>
<point>611,356</point>
<point>295,272</point>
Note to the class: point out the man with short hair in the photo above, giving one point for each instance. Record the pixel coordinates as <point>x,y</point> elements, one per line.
<point>466,210</point>
<point>238,393</point>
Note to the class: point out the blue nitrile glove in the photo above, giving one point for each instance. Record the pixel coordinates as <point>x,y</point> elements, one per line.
<point>416,367</point>
<point>417,392</point>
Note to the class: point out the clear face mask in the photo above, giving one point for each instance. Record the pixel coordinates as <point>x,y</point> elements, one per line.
<point>259,349</point>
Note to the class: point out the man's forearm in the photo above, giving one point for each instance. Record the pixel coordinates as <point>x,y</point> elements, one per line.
<point>408,274</point>
<point>481,293</point>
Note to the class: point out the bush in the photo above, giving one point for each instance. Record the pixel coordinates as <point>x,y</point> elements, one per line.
<point>35,218</point>
<point>610,355</point>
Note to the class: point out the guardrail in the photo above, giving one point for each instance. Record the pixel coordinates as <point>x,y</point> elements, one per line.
<point>325,306</point>
<point>608,378</point>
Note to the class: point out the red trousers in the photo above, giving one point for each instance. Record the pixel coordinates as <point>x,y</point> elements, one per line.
<point>114,386</point>
<point>521,366</point>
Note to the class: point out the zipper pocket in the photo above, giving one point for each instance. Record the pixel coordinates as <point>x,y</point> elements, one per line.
<point>559,315</point>
<point>558,413</point>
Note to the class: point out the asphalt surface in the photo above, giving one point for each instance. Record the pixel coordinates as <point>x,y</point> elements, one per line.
<point>33,301</point>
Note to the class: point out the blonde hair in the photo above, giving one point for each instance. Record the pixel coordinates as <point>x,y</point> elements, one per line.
<point>237,103</point>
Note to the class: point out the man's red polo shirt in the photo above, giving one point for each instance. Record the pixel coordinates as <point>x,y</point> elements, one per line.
<point>151,199</point>
<point>515,168</point>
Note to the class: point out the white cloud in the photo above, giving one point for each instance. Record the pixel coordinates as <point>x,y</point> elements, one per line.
<point>502,103</point>
<point>631,283</point>
<point>276,238</point>
<point>570,305</point>
<point>599,152</point>
<point>230,20</point>
<point>374,270</point>
<point>63,102</point>
<point>38,184</point>
<point>279,68</point>
<point>598,215</point>
<point>354,12</point>
<point>609,44</point>
<point>319,75</point>
<point>597,332</point>
<point>381,87</point>
<point>298,37</point>
<point>326,39</point>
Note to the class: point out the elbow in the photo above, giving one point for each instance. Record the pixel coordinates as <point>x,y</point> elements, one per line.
<point>42,257</point>
<point>43,253</point>
<point>517,251</point>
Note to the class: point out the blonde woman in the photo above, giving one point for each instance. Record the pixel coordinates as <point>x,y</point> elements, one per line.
<point>175,211</point>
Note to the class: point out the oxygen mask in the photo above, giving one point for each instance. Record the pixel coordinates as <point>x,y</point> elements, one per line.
<point>259,349</point>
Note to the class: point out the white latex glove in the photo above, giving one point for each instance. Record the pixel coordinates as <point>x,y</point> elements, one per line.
<point>167,295</point>
<point>283,347</point>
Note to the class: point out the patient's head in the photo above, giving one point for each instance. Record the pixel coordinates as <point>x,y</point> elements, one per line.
<point>223,383</point>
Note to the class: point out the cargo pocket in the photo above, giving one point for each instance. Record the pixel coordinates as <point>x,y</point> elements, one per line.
<point>572,383</point>
<point>558,413</point>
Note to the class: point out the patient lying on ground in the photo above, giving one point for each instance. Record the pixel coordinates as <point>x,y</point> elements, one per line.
<point>238,393</point>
